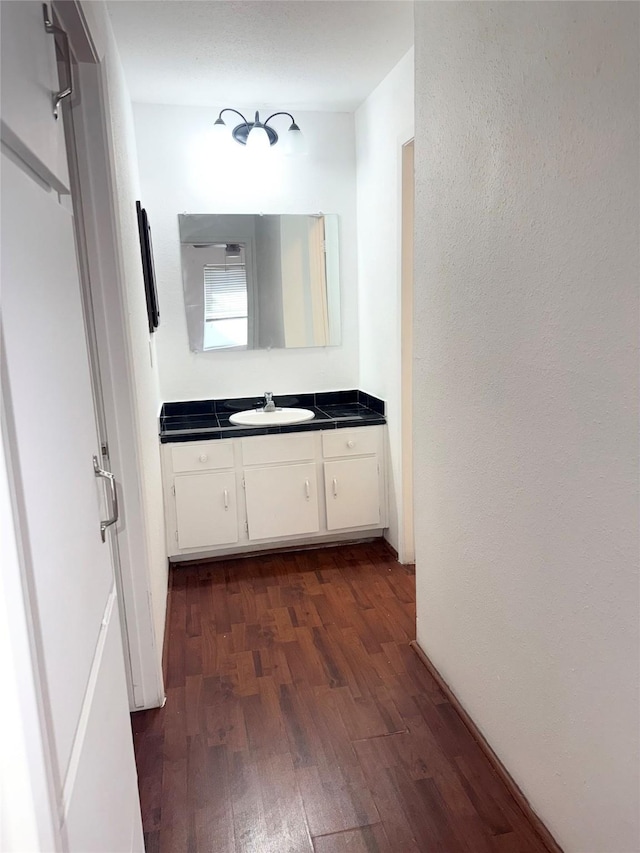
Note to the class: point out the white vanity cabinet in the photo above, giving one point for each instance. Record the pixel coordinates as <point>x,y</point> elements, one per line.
<point>242,494</point>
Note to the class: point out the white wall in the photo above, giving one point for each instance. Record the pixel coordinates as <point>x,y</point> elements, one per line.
<point>152,568</point>
<point>526,356</point>
<point>384,123</point>
<point>179,173</point>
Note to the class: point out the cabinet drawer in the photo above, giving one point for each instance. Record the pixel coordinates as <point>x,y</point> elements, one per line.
<point>291,447</point>
<point>349,442</point>
<point>201,457</point>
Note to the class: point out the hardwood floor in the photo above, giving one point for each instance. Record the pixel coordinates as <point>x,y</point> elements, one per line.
<point>298,719</point>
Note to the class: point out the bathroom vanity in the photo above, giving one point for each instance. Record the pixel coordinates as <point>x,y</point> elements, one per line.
<point>234,489</point>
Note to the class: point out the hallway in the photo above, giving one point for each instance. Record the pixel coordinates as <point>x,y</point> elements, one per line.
<point>298,719</point>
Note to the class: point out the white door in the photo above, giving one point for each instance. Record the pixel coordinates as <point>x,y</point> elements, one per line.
<point>281,500</point>
<point>30,77</point>
<point>52,440</point>
<point>352,493</point>
<point>206,512</point>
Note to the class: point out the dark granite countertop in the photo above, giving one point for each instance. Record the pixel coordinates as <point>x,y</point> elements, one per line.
<point>200,420</point>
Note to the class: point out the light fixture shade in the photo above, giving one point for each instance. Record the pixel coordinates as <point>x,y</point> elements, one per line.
<point>220,134</point>
<point>258,139</point>
<point>220,130</point>
<point>295,143</point>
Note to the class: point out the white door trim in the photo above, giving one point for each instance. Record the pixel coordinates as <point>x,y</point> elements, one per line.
<point>406,533</point>
<point>107,286</point>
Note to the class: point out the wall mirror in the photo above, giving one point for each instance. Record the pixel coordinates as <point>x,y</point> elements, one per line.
<point>260,281</point>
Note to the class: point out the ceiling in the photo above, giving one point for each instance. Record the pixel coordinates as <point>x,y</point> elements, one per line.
<point>291,54</point>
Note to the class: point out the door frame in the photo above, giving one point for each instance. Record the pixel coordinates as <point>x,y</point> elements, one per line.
<point>106,295</point>
<point>407,552</point>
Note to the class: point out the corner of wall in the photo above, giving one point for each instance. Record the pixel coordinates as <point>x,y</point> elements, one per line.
<point>384,122</point>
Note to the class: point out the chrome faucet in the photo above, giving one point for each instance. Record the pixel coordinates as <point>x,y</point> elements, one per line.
<point>269,405</point>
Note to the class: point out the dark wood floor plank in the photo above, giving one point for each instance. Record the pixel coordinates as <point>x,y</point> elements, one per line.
<point>377,765</point>
<point>174,743</point>
<point>224,721</point>
<point>282,807</point>
<point>514,842</point>
<point>175,813</point>
<point>152,842</point>
<point>298,719</point>
<point>360,662</point>
<point>192,604</point>
<point>193,655</point>
<point>365,839</point>
<point>370,716</point>
<point>266,732</point>
<point>304,742</point>
<point>331,804</point>
<point>150,761</point>
<point>198,781</point>
<point>482,796</point>
<point>249,824</point>
<point>427,814</point>
<point>176,634</point>
<point>213,823</point>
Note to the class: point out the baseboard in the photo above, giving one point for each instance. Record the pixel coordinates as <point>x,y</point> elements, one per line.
<point>545,836</point>
<point>390,549</point>
<point>185,561</point>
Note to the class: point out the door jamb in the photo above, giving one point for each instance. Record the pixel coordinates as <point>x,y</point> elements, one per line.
<point>107,288</point>
<point>406,534</point>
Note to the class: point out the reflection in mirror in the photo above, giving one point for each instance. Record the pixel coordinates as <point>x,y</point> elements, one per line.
<point>257,282</point>
<point>226,305</point>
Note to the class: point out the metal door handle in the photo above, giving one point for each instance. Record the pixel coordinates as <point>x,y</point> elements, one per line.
<point>226,499</point>
<point>100,472</point>
<point>335,487</point>
<point>51,28</point>
<point>307,489</point>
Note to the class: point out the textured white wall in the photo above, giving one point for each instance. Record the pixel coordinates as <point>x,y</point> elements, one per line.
<point>180,174</point>
<point>384,123</point>
<point>527,168</point>
<point>140,343</point>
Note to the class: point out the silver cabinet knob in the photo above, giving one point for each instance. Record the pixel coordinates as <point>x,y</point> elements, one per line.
<point>203,457</point>
<point>351,443</point>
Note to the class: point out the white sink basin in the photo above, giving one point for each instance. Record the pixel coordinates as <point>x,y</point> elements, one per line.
<point>257,417</point>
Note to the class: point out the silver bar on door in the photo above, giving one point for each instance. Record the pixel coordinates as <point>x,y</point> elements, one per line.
<point>100,472</point>
<point>52,29</point>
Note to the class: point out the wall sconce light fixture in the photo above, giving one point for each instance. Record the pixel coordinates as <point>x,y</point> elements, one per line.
<point>258,135</point>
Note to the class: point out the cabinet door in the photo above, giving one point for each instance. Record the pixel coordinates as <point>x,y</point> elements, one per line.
<point>352,493</point>
<point>281,500</point>
<point>206,511</point>
<point>29,79</point>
